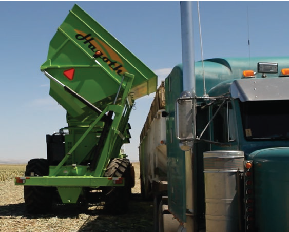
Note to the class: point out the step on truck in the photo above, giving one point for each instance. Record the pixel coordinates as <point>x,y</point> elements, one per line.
<point>227,143</point>
<point>96,79</point>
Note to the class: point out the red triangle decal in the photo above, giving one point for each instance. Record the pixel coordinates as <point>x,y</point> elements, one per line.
<point>69,73</point>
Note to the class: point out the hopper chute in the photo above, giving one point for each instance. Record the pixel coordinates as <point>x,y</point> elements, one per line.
<point>85,58</point>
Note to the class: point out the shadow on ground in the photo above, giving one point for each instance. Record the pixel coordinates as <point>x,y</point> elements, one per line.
<point>138,219</point>
<point>18,211</point>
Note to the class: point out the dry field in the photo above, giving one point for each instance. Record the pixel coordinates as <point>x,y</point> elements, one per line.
<point>13,216</point>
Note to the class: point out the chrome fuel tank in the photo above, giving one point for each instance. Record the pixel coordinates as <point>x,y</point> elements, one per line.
<point>221,189</point>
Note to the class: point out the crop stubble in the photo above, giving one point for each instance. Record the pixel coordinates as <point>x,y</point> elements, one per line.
<point>13,216</point>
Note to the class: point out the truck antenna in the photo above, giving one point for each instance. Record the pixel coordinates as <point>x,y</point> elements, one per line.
<point>249,52</point>
<point>202,53</point>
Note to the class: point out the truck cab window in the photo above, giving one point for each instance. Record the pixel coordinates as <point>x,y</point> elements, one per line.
<point>265,120</point>
<point>223,123</point>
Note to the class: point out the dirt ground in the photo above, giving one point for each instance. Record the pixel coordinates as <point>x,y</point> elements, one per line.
<point>13,216</point>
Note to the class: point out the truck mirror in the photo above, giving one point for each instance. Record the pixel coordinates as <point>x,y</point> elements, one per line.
<point>185,119</point>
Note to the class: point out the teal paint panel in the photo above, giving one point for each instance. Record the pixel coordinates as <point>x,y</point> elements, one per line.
<point>176,157</point>
<point>271,186</point>
<point>220,70</point>
<point>219,73</point>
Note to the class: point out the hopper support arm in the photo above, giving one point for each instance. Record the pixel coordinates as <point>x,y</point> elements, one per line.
<point>73,93</point>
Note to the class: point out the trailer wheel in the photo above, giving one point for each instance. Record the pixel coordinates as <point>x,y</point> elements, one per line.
<point>117,198</point>
<point>38,199</point>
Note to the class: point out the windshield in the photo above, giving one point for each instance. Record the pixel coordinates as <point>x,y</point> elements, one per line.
<point>265,120</point>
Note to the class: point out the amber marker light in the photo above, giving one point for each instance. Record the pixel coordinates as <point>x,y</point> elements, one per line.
<point>248,73</point>
<point>248,165</point>
<point>285,71</point>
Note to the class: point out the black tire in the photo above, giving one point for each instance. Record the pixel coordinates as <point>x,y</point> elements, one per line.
<point>38,199</point>
<point>117,198</point>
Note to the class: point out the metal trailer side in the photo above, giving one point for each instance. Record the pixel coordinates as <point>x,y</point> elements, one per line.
<point>152,148</point>
<point>153,162</point>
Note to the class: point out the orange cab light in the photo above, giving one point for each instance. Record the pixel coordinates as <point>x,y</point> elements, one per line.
<point>285,71</point>
<point>248,73</point>
<point>248,165</point>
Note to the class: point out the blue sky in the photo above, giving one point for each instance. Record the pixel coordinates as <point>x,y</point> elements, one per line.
<point>150,30</point>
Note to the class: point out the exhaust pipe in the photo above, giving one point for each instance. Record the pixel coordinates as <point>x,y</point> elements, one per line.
<point>189,82</point>
<point>188,111</point>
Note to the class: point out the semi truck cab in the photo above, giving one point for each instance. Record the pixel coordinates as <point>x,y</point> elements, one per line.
<point>238,139</point>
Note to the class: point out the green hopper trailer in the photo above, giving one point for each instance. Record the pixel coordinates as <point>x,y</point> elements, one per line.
<point>96,79</point>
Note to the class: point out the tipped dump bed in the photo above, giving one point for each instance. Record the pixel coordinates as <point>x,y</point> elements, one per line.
<point>86,58</point>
